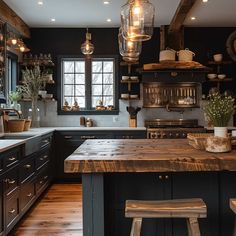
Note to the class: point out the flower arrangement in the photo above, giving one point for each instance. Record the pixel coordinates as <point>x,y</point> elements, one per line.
<point>219,109</point>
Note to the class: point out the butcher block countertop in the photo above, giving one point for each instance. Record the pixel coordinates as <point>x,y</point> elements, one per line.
<point>145,155</point>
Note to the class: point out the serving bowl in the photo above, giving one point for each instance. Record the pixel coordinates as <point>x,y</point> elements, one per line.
<point>211,76</point>
<point>221,76</point>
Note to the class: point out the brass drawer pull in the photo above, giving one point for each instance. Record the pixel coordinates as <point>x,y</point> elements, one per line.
<point>12,211</point>
<point>29,195</point>
<point>41,158</point>
<point>41,182</point>
<point>27,166</point>
<point>11,158</point>
<point>45,177</point>
<point>67,137</point>
<point>87,137</point>
<point>8,181</point>
<point>45,156</point>
<point>45,141</point>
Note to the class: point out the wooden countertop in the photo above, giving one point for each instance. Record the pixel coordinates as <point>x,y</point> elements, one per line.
<point>145,155</point>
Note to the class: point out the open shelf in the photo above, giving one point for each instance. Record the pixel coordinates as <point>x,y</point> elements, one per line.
<point>219,62</point>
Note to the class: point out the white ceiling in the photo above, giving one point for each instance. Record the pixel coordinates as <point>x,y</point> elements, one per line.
<point>93,13</point>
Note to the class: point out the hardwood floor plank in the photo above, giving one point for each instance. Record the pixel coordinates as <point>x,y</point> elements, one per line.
<point>59,213</point>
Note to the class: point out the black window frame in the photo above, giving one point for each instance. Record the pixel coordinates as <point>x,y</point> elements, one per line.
<point>88,85</point>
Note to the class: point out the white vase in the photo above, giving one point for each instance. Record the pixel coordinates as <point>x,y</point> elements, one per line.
<point>221,132</point>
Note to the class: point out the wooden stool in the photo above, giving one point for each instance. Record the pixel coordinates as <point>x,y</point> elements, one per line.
<point>192,209</point>
<point>232,204</point>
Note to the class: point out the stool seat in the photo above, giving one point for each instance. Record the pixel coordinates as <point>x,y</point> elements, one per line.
<point>232,204</point>
<point>179,208</point>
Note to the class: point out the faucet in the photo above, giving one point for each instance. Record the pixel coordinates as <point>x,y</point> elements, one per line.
<point>7,110</point>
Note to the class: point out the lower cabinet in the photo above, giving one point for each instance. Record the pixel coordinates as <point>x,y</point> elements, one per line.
<point>22,181</point>
<point>161,186</point>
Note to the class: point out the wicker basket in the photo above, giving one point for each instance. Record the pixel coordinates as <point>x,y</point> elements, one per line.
<point>27,125</point>
<point>198,140</point>
<point>16,125</point>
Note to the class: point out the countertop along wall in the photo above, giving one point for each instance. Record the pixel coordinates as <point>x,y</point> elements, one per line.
<point>58,41</point>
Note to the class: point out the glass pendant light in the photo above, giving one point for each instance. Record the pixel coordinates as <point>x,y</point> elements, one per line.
<point>21,46</point>
<point>130,50</point>
<point>87,47</point>
<point>137,20</point>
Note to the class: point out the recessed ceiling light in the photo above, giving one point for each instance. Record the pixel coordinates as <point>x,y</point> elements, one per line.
<point>53,19</point>
<point>193,18</point>
<point>204,0</point>
<point>40,2</point>
<point>108,20</point>
<point>106,2</point>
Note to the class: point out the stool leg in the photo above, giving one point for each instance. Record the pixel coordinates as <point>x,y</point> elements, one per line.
<point>193,227</point>
<point>136,227</point>
<point>234,234</point>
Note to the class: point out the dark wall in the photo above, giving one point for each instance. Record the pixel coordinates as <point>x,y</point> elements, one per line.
<point>203,41</point>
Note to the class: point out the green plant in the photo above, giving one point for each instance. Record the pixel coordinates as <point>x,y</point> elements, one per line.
<point>15,96</point>
<point>219,109</point>
<point>33,80</point>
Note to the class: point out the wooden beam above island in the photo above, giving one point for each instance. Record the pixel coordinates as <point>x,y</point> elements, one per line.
<point>145,155</point>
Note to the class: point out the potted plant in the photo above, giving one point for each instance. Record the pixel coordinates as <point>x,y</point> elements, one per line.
<point>14,97</point>
<point>219,109</point>
<point>32,82</point>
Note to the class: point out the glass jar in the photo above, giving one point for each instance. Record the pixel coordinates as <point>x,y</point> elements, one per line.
<point>34,114</point>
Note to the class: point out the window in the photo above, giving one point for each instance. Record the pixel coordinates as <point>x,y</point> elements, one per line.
<point>88,81</point>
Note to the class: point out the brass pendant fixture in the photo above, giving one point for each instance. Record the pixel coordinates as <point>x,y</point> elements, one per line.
<point>137,20</point>
<point>87,47</point>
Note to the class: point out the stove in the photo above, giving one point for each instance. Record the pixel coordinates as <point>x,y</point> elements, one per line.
<point>172,129</point>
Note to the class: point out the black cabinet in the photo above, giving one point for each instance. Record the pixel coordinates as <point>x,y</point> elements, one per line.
<point>1,206</point>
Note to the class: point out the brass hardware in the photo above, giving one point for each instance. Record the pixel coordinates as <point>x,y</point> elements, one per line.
<point>166,177</point>
<point>41,159</point>
<point>12,211</point>
<point>173,74</point>
<point>29,195</point>
<point>160,176</point>
<point>27,166</point>
<point>45,177</point>
<point>87,137</point>
<point>45,156</point>
<point>12,158</point>
<point>41,182</point>
<point>8,181</point>
<point>67,137</point>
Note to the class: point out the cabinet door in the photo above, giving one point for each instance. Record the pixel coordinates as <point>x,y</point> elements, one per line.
<point>227,191</point>
<point>1,208</point>
<point>134,186</point>
<point>198,185</point>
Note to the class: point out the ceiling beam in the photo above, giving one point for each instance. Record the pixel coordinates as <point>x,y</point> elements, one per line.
<point>180,15</point>
<point>10,17</point>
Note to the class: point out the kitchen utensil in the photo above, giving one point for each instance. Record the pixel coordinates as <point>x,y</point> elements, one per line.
<point>185,55</point>
<point>218,57</point>
<point>167,55</point>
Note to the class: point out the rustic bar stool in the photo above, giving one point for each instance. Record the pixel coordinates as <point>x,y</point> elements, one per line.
<point>192,209</point>
<point>232,203</point>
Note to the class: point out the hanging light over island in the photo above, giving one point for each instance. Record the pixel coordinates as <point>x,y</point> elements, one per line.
<point>87,47</point>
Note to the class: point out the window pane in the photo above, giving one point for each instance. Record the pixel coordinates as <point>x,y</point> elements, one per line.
<point>108,78</point>
<point>69,90</point>
<point>80,67</point>
<point>68,78</point>
<point>79,90</point>
<point>97,66</point>
<point>81,101</point>
<point>80,78</point>
<point>107,89</point>
<point>68,66</point>
<point>108,66</point>
<point>97,90</point>
<point>97,79</point>
<point>108,101</point>
<point>95,100</point>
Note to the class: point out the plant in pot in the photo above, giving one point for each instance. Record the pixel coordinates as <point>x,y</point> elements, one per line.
<point>32,82</point>
<point>14,97</point>
<point>219,109</point>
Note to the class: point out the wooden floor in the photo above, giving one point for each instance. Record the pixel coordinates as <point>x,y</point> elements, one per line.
<point>59,213</point>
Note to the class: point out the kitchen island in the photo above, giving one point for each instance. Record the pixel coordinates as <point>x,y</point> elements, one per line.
<point>117,170</point>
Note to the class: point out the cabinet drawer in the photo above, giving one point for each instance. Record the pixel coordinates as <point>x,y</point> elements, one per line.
<point>10,158</point>
<point>42,158</point>
<point>11,181</point>
<point>1,165</point>
<point>27,194</point>
<point>42,179</point>
<point>26,170</point>
<point>12,209</point>
<point>45,141</point>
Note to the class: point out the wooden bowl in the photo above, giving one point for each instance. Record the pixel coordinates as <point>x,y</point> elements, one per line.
<point>198,140</point>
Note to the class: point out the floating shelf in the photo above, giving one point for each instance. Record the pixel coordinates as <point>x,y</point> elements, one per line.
<point>129,81</point>
<point>220,80</point>
<point>219,63</point>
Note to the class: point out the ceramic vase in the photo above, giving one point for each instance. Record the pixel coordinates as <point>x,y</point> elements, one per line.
<point>221,132</point>
<point>34,114</point>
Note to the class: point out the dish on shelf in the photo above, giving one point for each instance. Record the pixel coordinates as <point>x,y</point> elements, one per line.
<point>125,95</point>
<point>125,77</point>
<point>134,77</point>
<point>211,76</point>
<point>221,76</point>
<point>133,96</point>
<point>49,95</point>
<point>218,57</point>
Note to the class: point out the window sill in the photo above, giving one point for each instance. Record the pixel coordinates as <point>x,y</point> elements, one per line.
<point>88,112</point>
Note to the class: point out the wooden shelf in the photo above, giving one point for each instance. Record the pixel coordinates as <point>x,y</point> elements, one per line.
<point>129,81</point>
<point>127,99</point>
<point>123,63</point>
<point>219,63</point>
<point>220,80</point>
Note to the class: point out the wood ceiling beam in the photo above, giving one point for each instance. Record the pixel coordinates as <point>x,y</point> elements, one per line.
<point>180,15</point>
<point>10,17</point>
